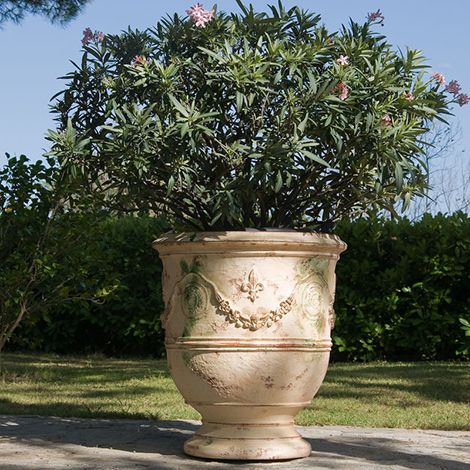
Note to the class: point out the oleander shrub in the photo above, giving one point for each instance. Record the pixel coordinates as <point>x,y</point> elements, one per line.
<point>249,119</point>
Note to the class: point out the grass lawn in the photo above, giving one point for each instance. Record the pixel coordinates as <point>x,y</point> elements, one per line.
<point>406,395</point>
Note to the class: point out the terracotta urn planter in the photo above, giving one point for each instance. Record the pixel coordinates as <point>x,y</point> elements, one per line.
<point>248,320</point>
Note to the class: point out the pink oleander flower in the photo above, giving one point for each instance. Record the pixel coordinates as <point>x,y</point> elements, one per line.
<point>376,17</point>
<point>463,99</point>
<point>98,36</point>
<point>87,36</point>
<point>409,96</point>
<point>386,120</point>
<point>90,36</point>
<point>453,87</point>
<point>439,78</point>
<point>139,60</point>
<point>342,89</point>
<point>199,16</point>
<point>342,60</point>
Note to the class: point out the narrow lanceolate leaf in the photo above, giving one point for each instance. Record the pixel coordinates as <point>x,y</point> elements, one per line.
<point>278,185</point>
<point>213,54</point>
<point>277,77</point>
<point>179,106</point>
<point>399,175</point>
<point>316,158</point>
<point>171,184</point>
<point>240,99</point>
<point>303,123</point>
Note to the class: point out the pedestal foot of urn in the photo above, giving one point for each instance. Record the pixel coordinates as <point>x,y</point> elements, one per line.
<point>247,442</point>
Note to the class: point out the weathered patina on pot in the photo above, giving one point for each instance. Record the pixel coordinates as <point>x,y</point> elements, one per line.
<point>248,320</point>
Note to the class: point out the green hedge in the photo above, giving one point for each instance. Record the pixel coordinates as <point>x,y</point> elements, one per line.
<point>128,322</point>
<point>402,289</point>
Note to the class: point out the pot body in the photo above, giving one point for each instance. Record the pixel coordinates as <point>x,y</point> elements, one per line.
<point>248,319</point>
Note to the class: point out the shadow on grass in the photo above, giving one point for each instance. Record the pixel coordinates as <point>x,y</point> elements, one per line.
<point>86,387</point>
<point>73,370</point>
<point>95,378</point>
<point>449,382</point>
<point>67,410</point>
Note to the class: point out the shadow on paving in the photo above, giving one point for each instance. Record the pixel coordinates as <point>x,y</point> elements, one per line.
<point>377,450</point>
<point>140,439</point>
<point>163,437</point>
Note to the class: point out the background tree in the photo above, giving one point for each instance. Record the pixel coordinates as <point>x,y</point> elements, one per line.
<point>448,174</point>
<point>47,250</point>
<point>57,11</point>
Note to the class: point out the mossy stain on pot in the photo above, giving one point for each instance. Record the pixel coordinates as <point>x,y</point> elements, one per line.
<point>194,300</point>
<point>310,266</point>
<point>194,267</point>
<point>186,357</point>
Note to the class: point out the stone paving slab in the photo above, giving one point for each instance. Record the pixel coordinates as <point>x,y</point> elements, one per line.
<point>43,443</point>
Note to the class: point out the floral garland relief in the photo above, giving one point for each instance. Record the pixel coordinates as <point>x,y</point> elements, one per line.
<point>195,291</point>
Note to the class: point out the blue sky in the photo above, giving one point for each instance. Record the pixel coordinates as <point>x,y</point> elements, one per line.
<point>34,53</point>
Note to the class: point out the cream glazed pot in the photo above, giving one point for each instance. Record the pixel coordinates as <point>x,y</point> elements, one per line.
<point>248,319</point>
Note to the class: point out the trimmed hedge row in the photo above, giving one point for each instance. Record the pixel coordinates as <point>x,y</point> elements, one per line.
<point>403,293</point>
<point>403,289</point>
<point>128,322</point>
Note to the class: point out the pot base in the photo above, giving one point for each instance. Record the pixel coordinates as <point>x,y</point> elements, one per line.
<point>247,442</point>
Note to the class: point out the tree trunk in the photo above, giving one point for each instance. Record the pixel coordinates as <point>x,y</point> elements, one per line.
<point>9,331</point>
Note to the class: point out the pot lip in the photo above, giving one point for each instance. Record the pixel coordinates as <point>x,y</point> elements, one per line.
<point>250,239</point>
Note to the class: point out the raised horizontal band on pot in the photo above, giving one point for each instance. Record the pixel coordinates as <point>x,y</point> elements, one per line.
<point>258,438</point>
<point>258,344</point>
<point>250,425</point>
<point>295,404</point>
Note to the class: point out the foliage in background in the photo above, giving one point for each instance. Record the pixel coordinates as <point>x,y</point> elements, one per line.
<point>249,120</point>
<point>402,293</point>
<point>45,249</point>
<point>57,11</point>
<point>403,289</point>
<point>128,323</point>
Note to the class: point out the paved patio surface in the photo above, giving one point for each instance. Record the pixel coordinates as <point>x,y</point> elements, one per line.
<point>42,443</point>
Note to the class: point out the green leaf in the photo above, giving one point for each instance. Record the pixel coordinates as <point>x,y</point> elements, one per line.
<point>212,54</point>
<point>178,105</point>
<point>399,175</point>
<point>278,185</point>
<point>240,99</point>
<point>303,123</point>
<point>315,158</point>
<point>171,184</point>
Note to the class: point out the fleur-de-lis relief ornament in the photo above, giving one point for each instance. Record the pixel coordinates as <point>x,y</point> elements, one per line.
<point>252,285</point>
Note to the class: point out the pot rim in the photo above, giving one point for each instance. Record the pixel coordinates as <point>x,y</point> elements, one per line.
<point>249,240</point>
